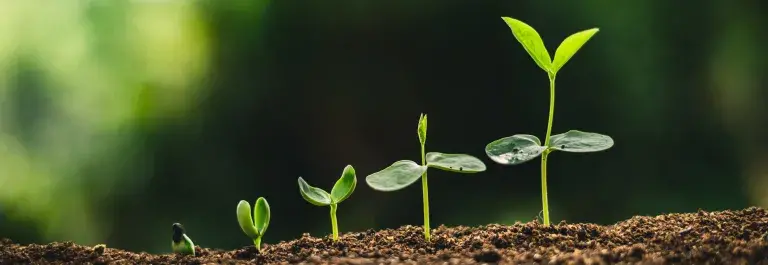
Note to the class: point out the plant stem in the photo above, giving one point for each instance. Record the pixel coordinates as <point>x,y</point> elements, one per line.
<point>425,193</point>
<point>544,200</point>
<point>545,154</point>
<point>334,226</point>
<point>257,242</point>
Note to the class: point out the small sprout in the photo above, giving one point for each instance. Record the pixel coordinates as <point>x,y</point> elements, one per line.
<point>340,192</point>
<point>405,172</point>
<point>180,243</point>
<point>254,227</point>
<point>521,148</point>
<point>99,249</point>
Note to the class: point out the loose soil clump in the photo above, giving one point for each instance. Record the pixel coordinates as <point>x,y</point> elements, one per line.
<point>725,237</point>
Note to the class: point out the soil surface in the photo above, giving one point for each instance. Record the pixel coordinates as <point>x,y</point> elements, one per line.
<point>726,237</point>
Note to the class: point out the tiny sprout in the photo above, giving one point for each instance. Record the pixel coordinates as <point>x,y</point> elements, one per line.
<point>521,148</point>
<point>180,242</point>
<point>100,248</point>
<point>254,230</point>
<point>405,172</point>
<point>340,192</point>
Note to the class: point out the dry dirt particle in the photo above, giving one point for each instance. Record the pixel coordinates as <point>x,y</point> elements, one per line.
<point>726,237</point>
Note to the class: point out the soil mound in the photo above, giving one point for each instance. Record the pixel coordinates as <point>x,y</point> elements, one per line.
<point>724,237</point>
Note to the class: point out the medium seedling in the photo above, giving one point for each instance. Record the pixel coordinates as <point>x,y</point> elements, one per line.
<point>254,230</point>
<point>405,172</point>
<point>521,148</point>
<point>340,192</point>
<point>180,242</point>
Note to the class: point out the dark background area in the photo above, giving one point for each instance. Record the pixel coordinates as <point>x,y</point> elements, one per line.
<point>118,118</point>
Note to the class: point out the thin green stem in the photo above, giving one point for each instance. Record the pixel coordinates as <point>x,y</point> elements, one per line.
<point>544,200</point>
<point>334,225</point>
<point>551,108</point>
<point>425,193</point>
<point>257,242</point>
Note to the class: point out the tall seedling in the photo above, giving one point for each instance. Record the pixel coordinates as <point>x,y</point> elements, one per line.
<point>521,148</point>
<point>405,172</point>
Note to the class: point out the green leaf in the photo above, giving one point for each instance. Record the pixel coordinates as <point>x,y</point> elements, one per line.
<point>531,41</point>
<point>570,46</point>
<point>515,149</point>
<point>245,220</point>
<point>423,128</point>
<point>261,215</point>
<point>455,162</point>
<point>345,185</point>
<point>314,195</point>
<point>580,142</point>
<point>185,246</point>
<point>397,176</point>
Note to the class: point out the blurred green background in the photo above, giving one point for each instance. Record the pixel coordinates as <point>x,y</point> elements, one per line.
<point>118,118</point>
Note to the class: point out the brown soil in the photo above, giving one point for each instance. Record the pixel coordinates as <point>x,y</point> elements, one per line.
<point>727,237</point>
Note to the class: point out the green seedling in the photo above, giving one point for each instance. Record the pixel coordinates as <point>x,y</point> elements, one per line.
<point>405,172</point>
<point>254,230</point>
<point>100,248</point>
<point>180,242</point>
<point>521,148</point>
<point>340,192</point>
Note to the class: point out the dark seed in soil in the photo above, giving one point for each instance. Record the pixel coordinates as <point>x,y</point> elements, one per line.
<point>726,237</point>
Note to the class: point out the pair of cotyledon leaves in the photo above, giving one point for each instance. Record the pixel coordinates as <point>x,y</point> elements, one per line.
<point>340,192</point>
<point>405,172</point>
<point>520,148</point>
<point>256,226</point>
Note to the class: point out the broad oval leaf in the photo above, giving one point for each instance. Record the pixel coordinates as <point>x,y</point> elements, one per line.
<point>314,195</point>
<point>245,220</point>
<point>580,142</point>
<point>261,215</point>
<point>515,149</point>
<point>531,41</point>
<point>345,185</point>
<point>455,162</point>
<point>570,46</point>
<point>397,176</point>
